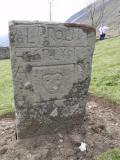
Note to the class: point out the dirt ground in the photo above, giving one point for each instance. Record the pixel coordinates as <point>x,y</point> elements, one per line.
<point>102,124</point>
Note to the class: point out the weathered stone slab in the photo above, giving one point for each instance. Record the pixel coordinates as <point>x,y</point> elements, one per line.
<point>4,53</point>
<point>51,65</point>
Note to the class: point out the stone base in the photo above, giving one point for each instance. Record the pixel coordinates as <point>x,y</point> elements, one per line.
<point>34,128</point>
<point>63,145</point>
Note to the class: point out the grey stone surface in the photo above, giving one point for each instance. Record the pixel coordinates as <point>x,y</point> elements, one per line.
<point>51,65</point>
<point>4,53</point>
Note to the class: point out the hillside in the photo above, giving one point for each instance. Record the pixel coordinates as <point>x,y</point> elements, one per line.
<point>111,16</point>
<point>106,70</point>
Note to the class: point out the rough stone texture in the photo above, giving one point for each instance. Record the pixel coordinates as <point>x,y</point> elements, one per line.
<point>51,65</point>
<point>4,53</point>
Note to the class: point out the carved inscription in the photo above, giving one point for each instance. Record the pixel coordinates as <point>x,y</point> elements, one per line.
<point>18,35</point>
<point>47,55</point>
<point>46,35</point>
<point>52,82</point>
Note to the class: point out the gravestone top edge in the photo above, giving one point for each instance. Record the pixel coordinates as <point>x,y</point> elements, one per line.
<point>86,28</point>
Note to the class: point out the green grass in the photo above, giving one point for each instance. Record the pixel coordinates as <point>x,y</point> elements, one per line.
<point>106,70</point>
<point>5,87</point>
<point>113,154</point>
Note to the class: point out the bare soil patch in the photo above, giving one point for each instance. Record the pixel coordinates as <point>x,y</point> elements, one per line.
<point>102,124</point>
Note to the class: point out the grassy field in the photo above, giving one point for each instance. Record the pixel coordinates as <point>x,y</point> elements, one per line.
<point>5,87</point>
<point>106,70</point>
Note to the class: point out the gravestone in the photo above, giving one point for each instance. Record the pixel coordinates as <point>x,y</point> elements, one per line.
<point>51,68</point>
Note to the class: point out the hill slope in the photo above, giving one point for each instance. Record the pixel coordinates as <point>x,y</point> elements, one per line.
<point>106,70</point>
<point>111,16</point>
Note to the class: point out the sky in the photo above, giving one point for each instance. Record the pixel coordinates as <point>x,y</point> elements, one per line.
<point>37,10</point>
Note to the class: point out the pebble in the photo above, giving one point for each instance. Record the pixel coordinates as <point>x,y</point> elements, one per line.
<point>83,147</point>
